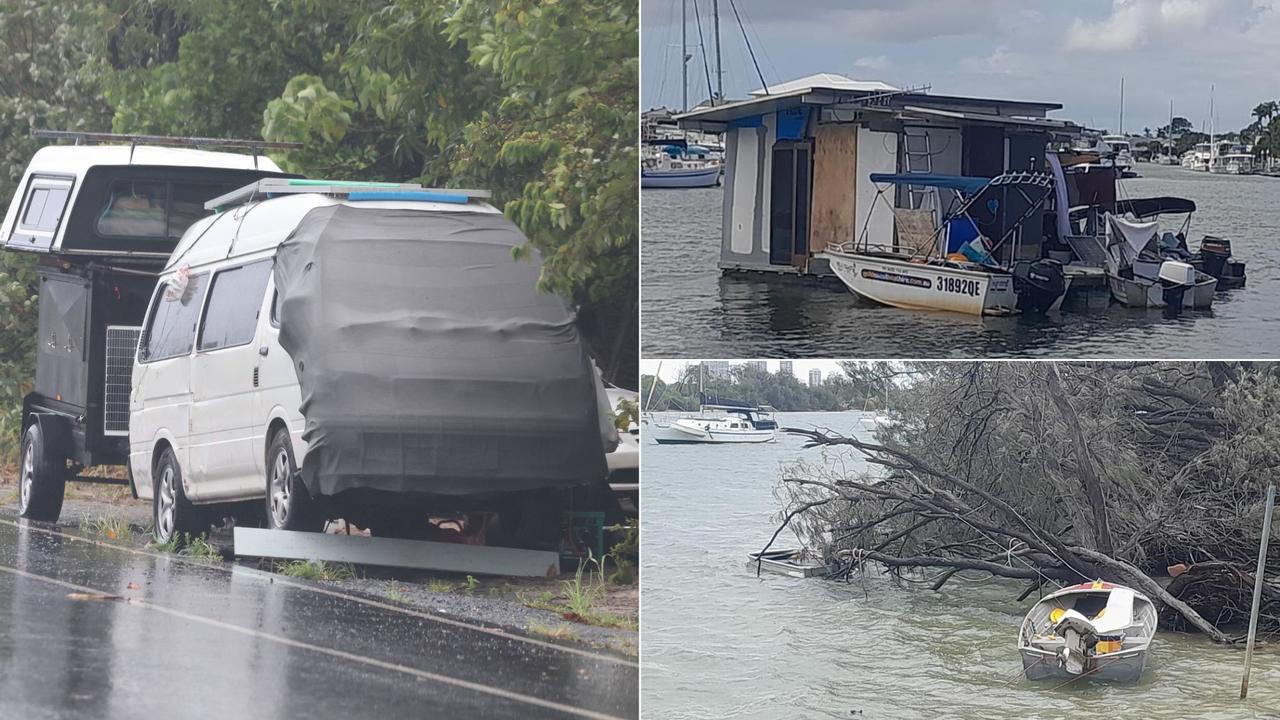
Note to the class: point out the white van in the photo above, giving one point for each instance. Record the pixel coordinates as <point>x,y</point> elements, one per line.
<point>410,390</point>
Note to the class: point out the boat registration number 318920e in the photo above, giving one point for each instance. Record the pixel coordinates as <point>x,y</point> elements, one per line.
<point>960,286</point>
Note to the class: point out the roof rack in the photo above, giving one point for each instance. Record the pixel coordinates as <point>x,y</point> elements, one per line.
<point>350,189</point>
<point>257,146</point>
<point>92,137</point>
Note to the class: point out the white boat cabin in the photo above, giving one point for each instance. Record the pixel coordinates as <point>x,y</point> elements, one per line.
<point>799,159</point>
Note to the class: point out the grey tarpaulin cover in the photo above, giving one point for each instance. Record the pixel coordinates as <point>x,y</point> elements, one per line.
<point>428,360</point>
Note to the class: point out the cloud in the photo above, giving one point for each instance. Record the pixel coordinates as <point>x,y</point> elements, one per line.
<point>878,62</point>
<point>1140,23</point>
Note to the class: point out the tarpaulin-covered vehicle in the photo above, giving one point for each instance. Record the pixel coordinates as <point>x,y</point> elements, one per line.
<point>366,351</point>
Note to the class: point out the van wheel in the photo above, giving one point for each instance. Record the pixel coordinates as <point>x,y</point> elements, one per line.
<point>175,518</point>
<point>289,507</point>
<point>40,488</point>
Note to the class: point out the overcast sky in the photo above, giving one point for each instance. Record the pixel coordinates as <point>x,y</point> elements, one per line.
<point>1073,52</point>
<point>673,369</point>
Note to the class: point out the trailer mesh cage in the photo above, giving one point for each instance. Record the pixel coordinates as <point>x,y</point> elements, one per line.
<point>122,344</point>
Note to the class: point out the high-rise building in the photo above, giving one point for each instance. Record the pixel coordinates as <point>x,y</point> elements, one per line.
<point>815,377</point>
<point>718,369</point>
<point>760,365</point>
<point>785,367</point>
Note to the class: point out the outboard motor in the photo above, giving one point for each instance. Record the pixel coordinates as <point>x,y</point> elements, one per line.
<point>1176,278</point>
<point>1038,284</point>
<point>1215,252</point>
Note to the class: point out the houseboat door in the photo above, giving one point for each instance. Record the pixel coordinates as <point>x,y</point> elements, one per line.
<point>789,203</point>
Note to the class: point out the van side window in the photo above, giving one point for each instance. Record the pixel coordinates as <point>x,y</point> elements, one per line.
<point>234,301</point>
<point>171,329</point>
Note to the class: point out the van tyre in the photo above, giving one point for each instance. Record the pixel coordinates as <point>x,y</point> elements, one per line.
<point>43,477</point>
<point>289,507</point>
<point>175,518</point>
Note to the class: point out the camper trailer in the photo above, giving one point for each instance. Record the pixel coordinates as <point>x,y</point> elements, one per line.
<point>368,351</point>
<point>101,221</point>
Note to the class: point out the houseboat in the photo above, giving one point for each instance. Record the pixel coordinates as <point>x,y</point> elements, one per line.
<point>799,163</point>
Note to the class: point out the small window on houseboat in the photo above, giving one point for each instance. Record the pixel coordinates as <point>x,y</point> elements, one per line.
<point>44,208</point>
<point>135,209</point>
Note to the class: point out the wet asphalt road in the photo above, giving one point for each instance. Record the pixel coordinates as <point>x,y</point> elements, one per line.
<point>217,641</point>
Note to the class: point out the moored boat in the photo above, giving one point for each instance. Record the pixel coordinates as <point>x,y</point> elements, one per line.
<point>716,424</point>
<point>1097,629</point>
<point>1139,277</point>
<point>954,268</point>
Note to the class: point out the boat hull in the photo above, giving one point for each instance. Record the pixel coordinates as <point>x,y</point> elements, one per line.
<point>916,286</point>
<point>1121,667</point>
<point>1141,293</point>
<point>699,178</point>
<point>676,434</point>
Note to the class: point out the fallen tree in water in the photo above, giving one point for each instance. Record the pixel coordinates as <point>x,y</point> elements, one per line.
<point>1057,474</point>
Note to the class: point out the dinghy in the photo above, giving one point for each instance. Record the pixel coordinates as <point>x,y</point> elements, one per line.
<point>1098,630</point>
<point>1139,277</point>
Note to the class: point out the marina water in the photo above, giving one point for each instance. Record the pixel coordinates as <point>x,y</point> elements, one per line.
<point>691,311</point>
<point>720,642</point>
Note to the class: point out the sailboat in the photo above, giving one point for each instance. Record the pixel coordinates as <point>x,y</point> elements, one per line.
<point>719,421</point>
<point>672,163</point>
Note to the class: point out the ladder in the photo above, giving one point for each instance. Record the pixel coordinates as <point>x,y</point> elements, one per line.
<point>917,157</point>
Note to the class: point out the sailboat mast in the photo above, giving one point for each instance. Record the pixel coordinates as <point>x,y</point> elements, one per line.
<point>684,55</point>
<point>715,11</point>
<point>1121,107</point>
<point>1213,146</point>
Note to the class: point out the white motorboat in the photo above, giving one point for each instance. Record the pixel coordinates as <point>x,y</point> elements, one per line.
<point>1138,277</point>
<point>1121,151</point>
<point>716,424</point>
<point>667,172</point>
<point>1098,630</point>
<point>954,270</point>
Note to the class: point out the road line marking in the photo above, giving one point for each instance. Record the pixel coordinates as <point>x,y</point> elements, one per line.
<point>342,654</point>
<point>283,580</point>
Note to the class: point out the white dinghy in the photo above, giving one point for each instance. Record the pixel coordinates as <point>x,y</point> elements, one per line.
<point>1139,277</point>
<point>1098,629</point>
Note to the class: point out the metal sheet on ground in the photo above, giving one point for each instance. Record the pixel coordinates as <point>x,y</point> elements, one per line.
<point>392,552</point>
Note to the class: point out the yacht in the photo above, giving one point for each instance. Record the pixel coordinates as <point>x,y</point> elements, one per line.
<point>715,424</point>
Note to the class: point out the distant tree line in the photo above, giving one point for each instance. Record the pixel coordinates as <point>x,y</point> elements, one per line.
<point>863,389</point>
<point>1263,133</point>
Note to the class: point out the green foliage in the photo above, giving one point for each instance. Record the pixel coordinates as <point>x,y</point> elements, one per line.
<point>317,570</point>
<point>534,100</point>
<point>782,391</point>
<point>626,413</point>
<point>625,553</point>
<point>50,73</point>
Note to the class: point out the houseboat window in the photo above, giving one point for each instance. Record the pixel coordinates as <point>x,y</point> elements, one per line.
<point>171,330</point>
<point>231,316</point>
<point>135,209</point>
<point>45,206</point>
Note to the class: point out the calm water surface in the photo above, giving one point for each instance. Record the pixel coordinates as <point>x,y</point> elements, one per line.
<point>691,311</point>
<point>719,643</point>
